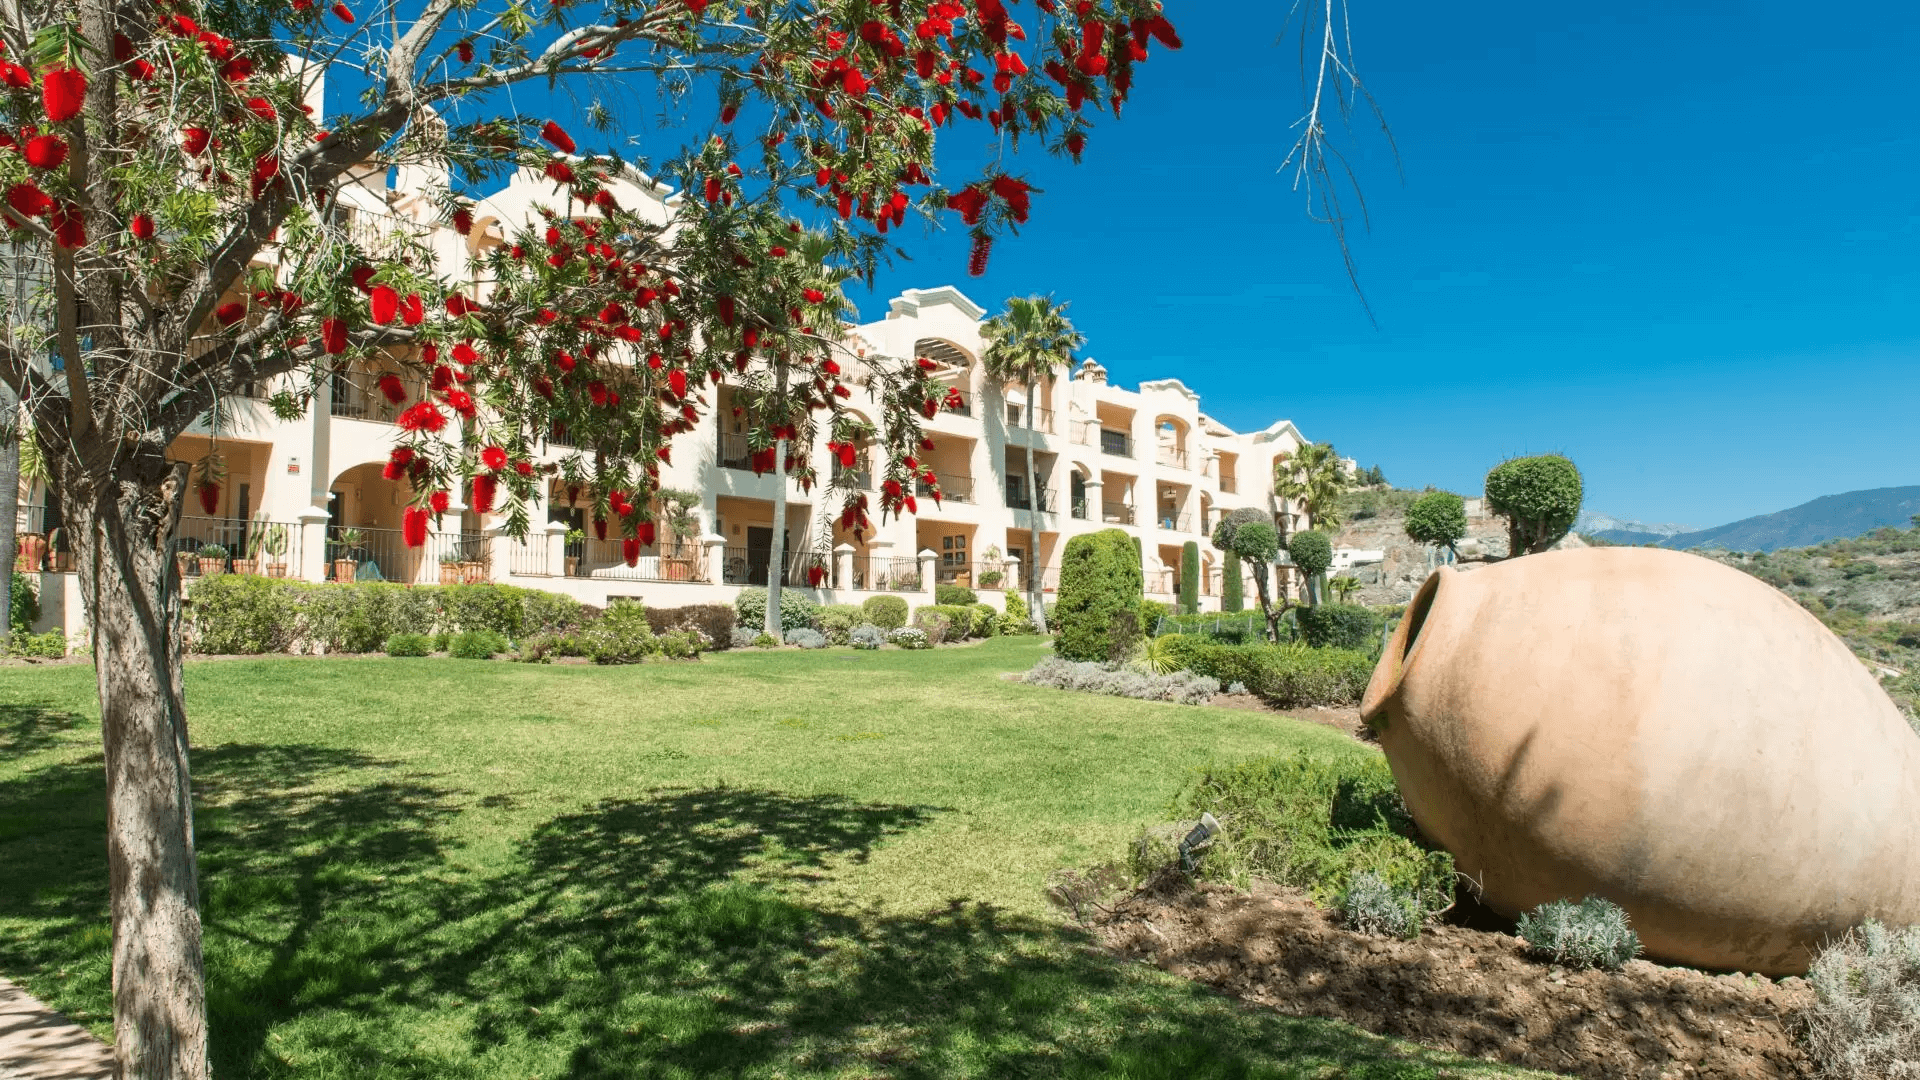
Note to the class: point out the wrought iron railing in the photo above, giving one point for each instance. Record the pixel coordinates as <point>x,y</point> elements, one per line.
<point>1116,443</point>
<point>248,546</point>
<point>747,566</point>
<point>671,559</point>
<point>1116,513</point>
<point>954,486</point>
<point>1017,417</point>
<point>889,574</point>
<point>1174,522</point>
<point>1022,499</point>
<point>860,475</point>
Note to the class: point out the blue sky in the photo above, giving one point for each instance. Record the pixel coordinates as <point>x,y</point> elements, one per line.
<point>1677,246</point>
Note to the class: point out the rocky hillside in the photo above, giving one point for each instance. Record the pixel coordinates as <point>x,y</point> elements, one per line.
<point>1376,521</point>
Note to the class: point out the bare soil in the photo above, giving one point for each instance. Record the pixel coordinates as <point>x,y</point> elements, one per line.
<point>1471,991</point>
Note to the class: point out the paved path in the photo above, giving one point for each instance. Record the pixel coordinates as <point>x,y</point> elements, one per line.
<point>37,1043</point>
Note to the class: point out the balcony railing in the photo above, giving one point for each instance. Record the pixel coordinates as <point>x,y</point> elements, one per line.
<point>356,395</point>
<point>954,486</point>
<point>1021,499</point>
<point>956,400</point>
<point>670,560</point>
<point>901,574</point>
<point>748,566</point>
<point>1174,522</point>
<point>1017,417</point>
<point>246,544</point>
<point>1080,508</point>
<point>734,453</point>
<point>1116,443</point>
<point>1229,484</point>
<point>1172,456</point>
<point>1116,513</point>
<point>860,476</point>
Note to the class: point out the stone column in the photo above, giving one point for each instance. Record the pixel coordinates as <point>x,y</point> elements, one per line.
<point>1015,586</point>
<point>500,551</point>
<point>843,566</point>
<point>929,567</point>
<point>713,548</point>
<point>1095,489</point>
<point>311,525</point>
<point>556,542</point>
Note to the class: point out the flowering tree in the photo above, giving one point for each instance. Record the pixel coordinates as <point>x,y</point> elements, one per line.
<point>173,197</point>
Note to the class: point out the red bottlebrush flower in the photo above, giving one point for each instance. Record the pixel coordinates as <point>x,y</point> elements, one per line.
<point>45,151</point>
<point>464,353</point>
<point>441,379</point>
<point>543,386</point>
<point>613,314</point>
<point>463,221</point>
<point>141,70</point>
<point>599,528</point>
<point>458,305</point>
<point>971,202</point>
<point>69,225</point>
<point>423,416</point>
<point>604,200</point>
<point>645,529</point>
<point>28,200</point>
<point>728,112</point>
<point>846,452</point>
<point>439,501</point>
<point>493,458</point>
<point>597,391</point>
<point>926,444</point>
<point>122,48</point>
<point>665,453</point>
<point>465,50</point>
<point>142,226</point>
<point>724,305</point>
<point>62,92</point>
<point>677,382</point>
<point>925,363</point>
<point>854,83</point>
<point>561,141</point>
<point>412,312</point>
<point>333,335</point>
<point>363,277</point>
<point>397,462</point>
<point>559,172</point>
<point>262,108</point>
<point>343,13</point>
<point>266,171</point>
<point>392,388</point>
<point>238,69</point>
<point>194,140</point>
<point>630,549</point>
<point>413,526</point>
<point>523,467</point>
<point>484,487</point>
<point>816,575</point>
<point>977,260</point>
<point>778,252</point>
<point>230,313</point>
<point>842,392</point>
<point>209,498</point>
<point>15,76</point>
<point>750,338</point>
<point>384,304</point>
<point>1076,142</point>
<point>563,360</point>
<point>930,408</point>
<point>461,402</point>
<point>814,296</point>
<point>1163,30</point>
<point>830,366</point>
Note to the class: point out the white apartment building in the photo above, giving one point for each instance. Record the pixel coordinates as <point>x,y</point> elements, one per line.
<point>306,498</point>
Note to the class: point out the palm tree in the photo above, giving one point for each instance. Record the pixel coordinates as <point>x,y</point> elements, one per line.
<point>1026,343</point>
<point>1312,478</point>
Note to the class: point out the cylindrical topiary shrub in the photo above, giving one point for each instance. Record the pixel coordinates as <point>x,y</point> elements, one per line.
<point>1189,578</point>
<point>1232,591</point>
<point>1100,577</point>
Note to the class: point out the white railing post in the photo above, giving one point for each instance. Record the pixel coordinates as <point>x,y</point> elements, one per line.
<point>843,566</point>
<point>715,547</point>
<point>556,548</point>
<point>929,564</point>
<point>1014,586</point>
<point>313,545</point>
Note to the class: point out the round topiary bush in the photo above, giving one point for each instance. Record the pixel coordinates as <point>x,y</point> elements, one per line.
<point>1100,578</point>
<point>885,612</point>
<point>621,635</point>
<point>1438,518</point>
<point>1539,497</point>
<point>1312,552</point>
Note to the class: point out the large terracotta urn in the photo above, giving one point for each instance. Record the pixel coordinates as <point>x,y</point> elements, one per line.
<point>1661,730</point>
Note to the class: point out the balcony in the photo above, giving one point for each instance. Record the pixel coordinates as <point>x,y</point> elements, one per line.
<point>734,453</point>
<point>1229,484</point>
<point>1117,443</point>
<point>954,486</point>
<point>1116,513</point>
<point>956,400</point>
<point>1171,457</point>
<point>1017,417</point>
<point>1080,508</point>
<point>859,476</point>
<point>1175,522</point>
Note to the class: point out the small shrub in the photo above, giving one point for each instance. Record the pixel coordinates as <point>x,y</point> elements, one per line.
<point>1018,619</point>
<point>796,609</point>
<point>866,636</point>
<point>406,644</point>
<point>51,645</point>
<point>1237,688</point>
<point>684,644</point>
<point>537,649</point>
<point>943,623</point>
<point>743,638</point>
<point>1593,933</point>
<point>766,641</point>
<point>954,595</point>
<point>1338,626</point>
<point>476,645</point>
<point>886,612</point>
<point>838,620</point>
<point>240,613</point>
<point>985,619</point>
<point>1180,687</point>
<point>807,638</point>
<point>620,635</point>
<point>1151,612</point>
<point>908,637</point>
<point>441,640</point>
<point>1288,676</point>
<point>1371,905</point>
<point>26,605</point>
<point>1865,1020</point>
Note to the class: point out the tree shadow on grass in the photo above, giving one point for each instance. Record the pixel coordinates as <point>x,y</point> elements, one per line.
<point>666,935</point>
<point>26,729</point>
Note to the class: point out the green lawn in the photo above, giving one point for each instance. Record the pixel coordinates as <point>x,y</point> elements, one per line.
<point>776,864</point>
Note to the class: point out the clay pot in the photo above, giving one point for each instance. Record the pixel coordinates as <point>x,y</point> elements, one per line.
<point>1661,730</point>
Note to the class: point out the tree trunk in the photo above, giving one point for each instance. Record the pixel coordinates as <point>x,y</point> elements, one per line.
<point>132,593</point>
<point>10,435</point>
<point>777,557</point>
<point>1036,603</point>
<point>1263,571</point>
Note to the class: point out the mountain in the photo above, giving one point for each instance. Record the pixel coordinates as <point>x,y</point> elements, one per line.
<point>1825,518</point>
<point>1624,531</point>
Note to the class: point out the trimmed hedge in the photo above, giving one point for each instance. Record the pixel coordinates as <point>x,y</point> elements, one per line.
<point>621,635</point>
<point>1289,676</point>
<point>714,620</point>
<point>1339,626</point>
<point>944,622</point>
<point>1231,596</point>
<point>245,613</point>
<point>797,610</point>
<point>1189,578</point>
<point>1100,579</point>
<point>1236,628</point>
<point>886,612</point>
<point>954,595</point>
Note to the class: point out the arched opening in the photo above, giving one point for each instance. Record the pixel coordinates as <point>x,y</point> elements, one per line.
<point>1170,441</point>
<point>952,369</point>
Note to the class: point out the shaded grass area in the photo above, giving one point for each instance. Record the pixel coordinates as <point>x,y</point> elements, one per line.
<point>774,864</point>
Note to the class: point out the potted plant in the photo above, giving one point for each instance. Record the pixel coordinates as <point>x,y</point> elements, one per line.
<point>576,541</point>
<point>31,554</point>
<point>59,551</point>
<point>269,539</point>
<point>212,559</point>
<point>677,513</point>
<point>990,574</point>
<point>346,561</point>
<point>450,568</point>
<point>473,572</point>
